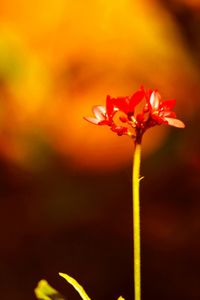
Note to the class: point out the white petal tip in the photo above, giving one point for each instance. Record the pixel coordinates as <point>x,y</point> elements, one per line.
<point>99,111</point>
<point>91,120</point>
<point>155,100</point>
<point>175,122</point>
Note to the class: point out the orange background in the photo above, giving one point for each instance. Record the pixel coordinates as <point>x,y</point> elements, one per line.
<point>65,185</point>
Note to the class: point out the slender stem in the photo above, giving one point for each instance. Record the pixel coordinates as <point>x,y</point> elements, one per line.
<point>136,220</point>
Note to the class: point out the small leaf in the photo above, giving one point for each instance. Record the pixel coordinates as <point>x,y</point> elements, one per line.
<point>44,291</point>
<point>76,285</point>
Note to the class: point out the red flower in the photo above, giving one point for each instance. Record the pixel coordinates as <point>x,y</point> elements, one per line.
<point>154,112</point>
<point>103,115</point>
<point>161,112</point>
<point>100,116</point>
<point>127,104</point>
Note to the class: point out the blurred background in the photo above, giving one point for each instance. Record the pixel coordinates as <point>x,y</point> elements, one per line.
<point>65,185</point>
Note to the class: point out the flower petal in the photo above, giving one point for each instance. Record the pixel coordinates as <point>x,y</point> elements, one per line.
<point>147,93</point>
<point>105,122</point>
<point>155,100</point>
<point>99,111</point>
<point>175,122</point>
<point>135,99</point>
<point>92,120</point>
<point>169,114</point>
<point>168,104</point>
<point>109,106</point>
<point>122,103</point>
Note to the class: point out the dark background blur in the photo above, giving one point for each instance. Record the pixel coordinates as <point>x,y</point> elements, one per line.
<point>65,185</point>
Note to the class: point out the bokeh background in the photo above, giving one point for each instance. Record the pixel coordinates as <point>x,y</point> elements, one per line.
<point>65,185</point>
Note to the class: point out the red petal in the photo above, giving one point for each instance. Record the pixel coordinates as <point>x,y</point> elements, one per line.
<point>109,106</point>
<point>175,122</point>
<point>122,103</point>
<point>147,94</point>
<point>168,104</point>
<point>135,99</point>
<point>105,122</point>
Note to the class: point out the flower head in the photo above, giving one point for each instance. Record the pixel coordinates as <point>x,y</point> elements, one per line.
<point>104,116</point>
<point>160,111</point>
<point>127,104</point>
<point>154,112</point>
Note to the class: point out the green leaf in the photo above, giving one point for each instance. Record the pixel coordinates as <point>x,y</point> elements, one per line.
<point>44,291</point>
<point>76,285</point>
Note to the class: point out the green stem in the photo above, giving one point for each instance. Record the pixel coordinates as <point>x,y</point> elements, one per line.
<point>136,220</point>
